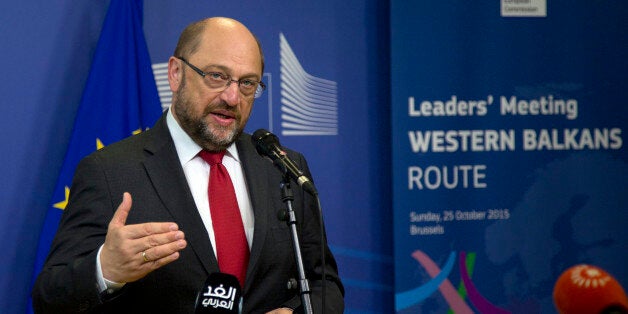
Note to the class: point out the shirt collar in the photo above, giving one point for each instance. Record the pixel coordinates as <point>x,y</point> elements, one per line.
<point>187,149</point>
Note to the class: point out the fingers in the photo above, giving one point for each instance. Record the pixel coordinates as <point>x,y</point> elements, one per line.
<point>119,217</point>
<point>160,245</point>
<point>165,253</point>
<point>150,228</point>
<point>158,263</point>
<point>283,310</point>
<point>160,256</point>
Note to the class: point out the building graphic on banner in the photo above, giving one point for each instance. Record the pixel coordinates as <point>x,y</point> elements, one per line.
<point>309,104</point>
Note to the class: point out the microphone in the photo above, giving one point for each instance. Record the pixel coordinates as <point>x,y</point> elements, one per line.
<point>267,145</point>
<point>589,289</point>
<point>221,293</point>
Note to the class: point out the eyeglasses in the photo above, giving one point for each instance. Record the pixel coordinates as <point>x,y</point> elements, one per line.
<point>219,82</point>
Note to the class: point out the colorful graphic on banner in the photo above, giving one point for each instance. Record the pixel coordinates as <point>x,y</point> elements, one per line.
<point>507,144</point>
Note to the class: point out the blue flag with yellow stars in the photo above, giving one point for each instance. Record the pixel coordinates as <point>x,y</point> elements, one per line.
<point>120,99</point>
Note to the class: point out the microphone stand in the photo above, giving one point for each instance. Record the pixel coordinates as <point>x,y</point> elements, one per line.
<point>290,218</point>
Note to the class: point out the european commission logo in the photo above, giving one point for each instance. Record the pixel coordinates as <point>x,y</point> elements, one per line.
<point>309,104</point>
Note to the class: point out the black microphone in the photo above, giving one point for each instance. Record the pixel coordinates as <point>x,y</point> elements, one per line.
<point>267,145</point>
<point>221,293</point>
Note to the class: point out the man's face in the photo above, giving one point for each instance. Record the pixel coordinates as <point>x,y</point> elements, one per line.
<point>215,119</point>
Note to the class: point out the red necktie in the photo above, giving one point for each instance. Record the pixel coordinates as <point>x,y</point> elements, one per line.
<point>231,246</point>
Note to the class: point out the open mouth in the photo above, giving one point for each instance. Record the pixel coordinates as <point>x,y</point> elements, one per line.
<point>223,116</point>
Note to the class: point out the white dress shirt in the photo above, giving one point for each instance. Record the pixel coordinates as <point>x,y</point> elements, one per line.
<point>197,175</point>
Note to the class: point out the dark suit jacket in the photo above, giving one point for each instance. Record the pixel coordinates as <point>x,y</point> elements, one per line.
<point>147,166</point>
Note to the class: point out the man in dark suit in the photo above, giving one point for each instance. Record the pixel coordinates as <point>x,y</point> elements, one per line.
<point>138,234</point>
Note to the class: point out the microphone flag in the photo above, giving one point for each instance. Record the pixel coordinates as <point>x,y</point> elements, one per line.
<point>221,293</point>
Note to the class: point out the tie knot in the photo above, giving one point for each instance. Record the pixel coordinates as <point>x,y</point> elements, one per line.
<point>212,158</point>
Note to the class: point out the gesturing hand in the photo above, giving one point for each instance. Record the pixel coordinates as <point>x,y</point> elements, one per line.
<point>131,252</point>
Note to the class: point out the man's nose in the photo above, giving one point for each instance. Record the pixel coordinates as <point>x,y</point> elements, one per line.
<point>231,95</point>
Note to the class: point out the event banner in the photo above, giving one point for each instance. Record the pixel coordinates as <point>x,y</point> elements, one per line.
<point>509,163</point>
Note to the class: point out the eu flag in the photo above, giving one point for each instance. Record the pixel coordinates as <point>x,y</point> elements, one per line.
<point>120,99</point>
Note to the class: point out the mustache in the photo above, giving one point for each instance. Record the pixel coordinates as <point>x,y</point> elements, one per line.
<point>222,106</point>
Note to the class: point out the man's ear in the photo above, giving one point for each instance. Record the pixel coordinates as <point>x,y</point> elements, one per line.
<point>175,74</point>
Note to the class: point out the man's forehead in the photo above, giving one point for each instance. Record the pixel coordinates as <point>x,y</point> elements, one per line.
<point>223,48</point>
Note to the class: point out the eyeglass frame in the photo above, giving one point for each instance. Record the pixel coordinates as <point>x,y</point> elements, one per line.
<point>261,87</point>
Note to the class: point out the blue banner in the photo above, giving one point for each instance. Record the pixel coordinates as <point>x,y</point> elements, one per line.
<point>119,100</point>
<point>508,158</point>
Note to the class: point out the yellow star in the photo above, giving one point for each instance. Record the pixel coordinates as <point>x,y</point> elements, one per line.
<point>138,131</point>
<point>99,144</point>
<point>61,205</point>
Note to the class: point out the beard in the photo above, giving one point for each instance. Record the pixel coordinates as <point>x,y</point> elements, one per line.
<point>211,137</point>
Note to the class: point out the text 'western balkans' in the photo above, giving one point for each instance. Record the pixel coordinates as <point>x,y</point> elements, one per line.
<point>441,141</point>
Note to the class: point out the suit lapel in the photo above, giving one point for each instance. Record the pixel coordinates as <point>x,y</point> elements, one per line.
<point>164,170</point>
<point>256,173</point>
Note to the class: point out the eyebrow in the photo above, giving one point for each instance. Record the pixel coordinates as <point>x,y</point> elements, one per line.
<point>222,68</point>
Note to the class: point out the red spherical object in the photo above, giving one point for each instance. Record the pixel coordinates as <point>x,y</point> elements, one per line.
<point>588,289</point>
